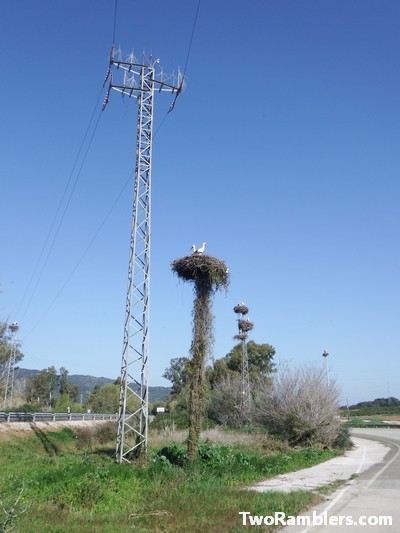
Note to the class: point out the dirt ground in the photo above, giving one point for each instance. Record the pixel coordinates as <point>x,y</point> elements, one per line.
<point>10,429</point>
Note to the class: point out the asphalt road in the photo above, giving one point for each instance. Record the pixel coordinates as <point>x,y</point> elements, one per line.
<point>373,494</point>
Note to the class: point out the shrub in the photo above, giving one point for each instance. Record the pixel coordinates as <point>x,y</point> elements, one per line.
<point>343,439</point>
<point>226,401</point>
<point>106,432</point>
<point>300,406</point>
<point>175,454</point>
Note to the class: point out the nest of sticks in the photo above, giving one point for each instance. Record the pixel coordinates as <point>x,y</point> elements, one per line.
<point>241,337</point>
<point>245,325</point>
<point>241,308</point>
<point>202,268</point>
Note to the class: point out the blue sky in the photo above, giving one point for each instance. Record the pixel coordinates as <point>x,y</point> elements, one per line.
<point>282,154</point>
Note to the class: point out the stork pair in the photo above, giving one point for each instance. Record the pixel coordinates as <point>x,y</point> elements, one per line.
<point>198,250</point>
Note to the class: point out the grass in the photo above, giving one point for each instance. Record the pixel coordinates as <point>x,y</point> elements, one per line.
<point>365,421</point>
<point>71,483</point>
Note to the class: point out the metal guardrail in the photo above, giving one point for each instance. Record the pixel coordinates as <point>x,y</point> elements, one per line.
<point>53,417</point>
<point>390,426</point>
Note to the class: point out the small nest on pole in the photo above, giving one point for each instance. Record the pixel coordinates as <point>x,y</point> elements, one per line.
<point>240,337</point>
<point>199,267</point>
<point>241,308</point>
<point>245,325</point>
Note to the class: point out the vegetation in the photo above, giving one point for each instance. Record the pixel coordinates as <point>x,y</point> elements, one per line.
<point>176,373</point>
<point>379,406</point>
<point>300,405</point>
<point>49,389</point>
<point>86,384</point>
<point>378,402</point>
<point>69,481</point>
<point>222,388</point>
<point>296,404</point>
<point>260,357</point>
<point>5,353</point>
<point>5,346</point>
<point>104,399</point>
<point>208,275</point>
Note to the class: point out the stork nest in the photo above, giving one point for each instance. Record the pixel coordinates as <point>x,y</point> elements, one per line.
<point>245,325</point>
<point>202,268</point>
<point>242,309</point>
<point>240,337</point>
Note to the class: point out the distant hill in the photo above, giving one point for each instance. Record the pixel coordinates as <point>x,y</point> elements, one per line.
<point>378,402</point>
<point>87,383</point>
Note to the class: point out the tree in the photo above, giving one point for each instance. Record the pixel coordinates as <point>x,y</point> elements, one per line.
<point>63,381</point>
<point>260,358</point>
<point>259,355</point>
<point>176,373</point>
<point>65,388</point>
<point>106,399</point>
<point>299,405</point>
<point>226,401</point>
<point>41,388</point>
<point>6,346</point>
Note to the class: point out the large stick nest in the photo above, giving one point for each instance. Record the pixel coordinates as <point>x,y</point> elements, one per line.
<point>240,337</point>
<point>241,308</point>
<point>202,268</point>
<point>245,325</point>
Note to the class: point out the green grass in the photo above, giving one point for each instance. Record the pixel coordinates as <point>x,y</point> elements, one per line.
<point>359,422</point>
<point>69,487</point>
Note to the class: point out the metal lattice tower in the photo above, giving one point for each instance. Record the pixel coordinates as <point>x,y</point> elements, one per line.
<point>139,80</point>
<point>244,326</point>
<point>9,373</point>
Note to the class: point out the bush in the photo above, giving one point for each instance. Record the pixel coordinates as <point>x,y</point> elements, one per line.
<point>175,454</point>
<point>300,406</point>
<point>26,408</point>
<point>170,421</point>
<point>106,432</point>
<point>226,401</point>
<point>88,437</point>
<point>343,440</point>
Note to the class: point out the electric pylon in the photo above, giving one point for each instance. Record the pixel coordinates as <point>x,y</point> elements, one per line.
<point>139,79</point>
<point>244,326</point>
<point>9,373</point>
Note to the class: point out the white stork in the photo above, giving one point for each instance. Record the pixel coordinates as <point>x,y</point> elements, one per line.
<point>193,249</point>
<point>201,250</point>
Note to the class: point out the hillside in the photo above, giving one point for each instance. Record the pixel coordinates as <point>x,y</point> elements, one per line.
<point>378,402</point>
<point>87,383</point>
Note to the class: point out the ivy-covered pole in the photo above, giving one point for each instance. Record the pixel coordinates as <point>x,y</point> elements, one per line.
<point>208,275</point>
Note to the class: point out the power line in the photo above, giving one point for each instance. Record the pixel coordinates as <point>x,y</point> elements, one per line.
<point>184,70</point>
<point>76,180</point>
<point>78,263</point>
<point>62,219</point>
<point>115,20</point>
<point>191,38</point>
<point>53,222</point>
<point>63,197</point>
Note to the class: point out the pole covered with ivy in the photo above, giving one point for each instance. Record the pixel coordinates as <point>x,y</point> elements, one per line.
<point>208,275</point>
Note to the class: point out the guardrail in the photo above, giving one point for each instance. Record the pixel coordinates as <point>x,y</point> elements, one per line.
<point>390,426</point>
<point>53,417</point>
